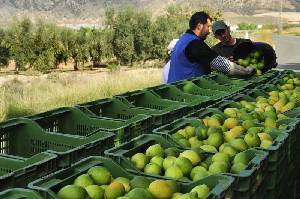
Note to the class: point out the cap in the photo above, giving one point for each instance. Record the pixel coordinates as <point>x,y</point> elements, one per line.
<point>172,45</point>
<point>218,25</point>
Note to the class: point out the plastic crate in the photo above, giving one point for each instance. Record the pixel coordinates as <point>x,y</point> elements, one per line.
<point>272,74</point>
<point>281,75</point>
<point>167,109</point>
<point>250,95</point>
<point>71,120</point>
<point>24,138</point>
<point>277,151</point>
<point>117,109</point>
<point>140,144</point>
<point>267,77</point>
<point>294,113</point>
<point>250,181</point>
<point>279,137</point>
<point>167,130</point>
<point>49,186</point>
<point>18,171</point>
<point>286,187</point>
<point>196,90</point>
<point>113,108</point>
<point>246,181</point>
<point>20,194</point>
<point>170,92</point>
<point>291,123</point>
<point>223,79</point>
<point>280,151</point>
<point>205,83</point>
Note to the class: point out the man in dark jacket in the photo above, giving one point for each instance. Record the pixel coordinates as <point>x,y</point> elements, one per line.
<point>192,57</point>
<point>228,44</point>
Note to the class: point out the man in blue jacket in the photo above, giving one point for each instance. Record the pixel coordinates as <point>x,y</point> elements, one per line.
<point>192,57</point>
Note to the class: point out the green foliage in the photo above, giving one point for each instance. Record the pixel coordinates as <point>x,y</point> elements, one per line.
<point>80,48</point>
<point>19,40</point>
<point>142,36</point>
<point>46,45</point>
<point>4,52</point>
<point>123,40</point>
<point>247,26</point>
<point>127,36</point>
<point>161,37</point>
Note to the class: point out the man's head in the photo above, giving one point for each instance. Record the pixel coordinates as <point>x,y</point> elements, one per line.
<point>200,23</point>
<point>222,32</point>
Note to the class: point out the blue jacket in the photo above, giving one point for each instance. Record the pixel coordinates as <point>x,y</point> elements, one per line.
<point>181,68</point>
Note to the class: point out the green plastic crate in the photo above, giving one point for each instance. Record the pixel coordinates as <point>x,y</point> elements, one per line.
<point>294,113</point>
<point>48,187</point>
<point>205,83</point>
<point>120,153</point>
<point>169,110</point>
<point>279,151</point>
<point>24,138</point>
<point>251,95</point>
<point>267,77</point>
<point>19,193</point>
<point>286,187</point>
<point>291,123</point>
<point>245,183</point>
<point>116,109</point>
<point>167,130</point>
<point>248,182</point>
<point>138,144</point>
<point>191,88</point>
<point>18,171</point>
<point>71,120</point>
<point>113,108</point>
<point>223,79</point>
<point>286,149</point>
<point>271,74</point>
<point>170,92</point>
<point>281,75</point>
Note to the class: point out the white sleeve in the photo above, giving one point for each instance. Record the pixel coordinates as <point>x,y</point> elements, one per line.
<point>165,72</point>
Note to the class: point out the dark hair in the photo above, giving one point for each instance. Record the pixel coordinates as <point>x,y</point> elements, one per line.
<point>198,17</point>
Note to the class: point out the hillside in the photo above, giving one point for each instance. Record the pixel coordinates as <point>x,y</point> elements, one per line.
<point>90,11</point>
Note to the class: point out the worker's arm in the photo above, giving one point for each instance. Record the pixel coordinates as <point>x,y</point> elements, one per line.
<point>198,51</point>
<point>224,65</point>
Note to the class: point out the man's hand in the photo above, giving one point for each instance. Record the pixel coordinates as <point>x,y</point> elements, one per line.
<point>236,69</point>
<point>251,71</point>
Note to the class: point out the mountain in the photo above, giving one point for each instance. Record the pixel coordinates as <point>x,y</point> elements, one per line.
<point>91,11</point>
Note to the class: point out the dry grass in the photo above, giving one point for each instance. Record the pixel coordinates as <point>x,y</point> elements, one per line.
<point>264,36</point>
<point>292,31</point>
<point>19,97</point>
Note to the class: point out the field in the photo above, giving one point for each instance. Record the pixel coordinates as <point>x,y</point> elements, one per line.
<point>21,95</point>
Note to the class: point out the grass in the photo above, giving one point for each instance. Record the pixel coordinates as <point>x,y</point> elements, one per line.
<point>19,97</point>
<point>263,36</point>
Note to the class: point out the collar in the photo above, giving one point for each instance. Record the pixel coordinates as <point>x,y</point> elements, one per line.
<point>231,44</point>
<point>189,31</point>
